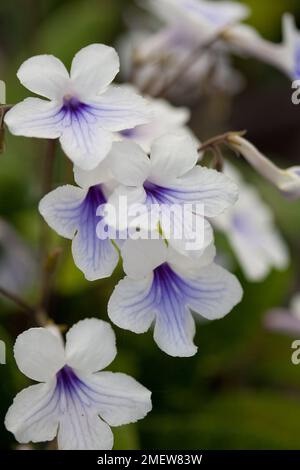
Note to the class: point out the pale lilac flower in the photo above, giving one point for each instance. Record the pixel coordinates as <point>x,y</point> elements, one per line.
<point>171,178</point>
<point>285,320</point>
<point>286,181</point>
<point>203,17</point>
<point>251,231</point>
<point>72,212</point>
<point>82,110</point>
<point>73,401</point>
<point>164,287</point>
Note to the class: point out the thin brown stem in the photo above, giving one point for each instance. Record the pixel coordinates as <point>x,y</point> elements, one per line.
<point>219,140</point>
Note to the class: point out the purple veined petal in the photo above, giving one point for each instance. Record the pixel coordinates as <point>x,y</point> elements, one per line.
<point>33,416</point>
<point>167,298</point>
<point>80,427</point>
<point>64,406</point>
<point>83,138</point>
<point>96,258</point>
<point>34,117</point>
<point>120,108</point>
<point>72,212</point>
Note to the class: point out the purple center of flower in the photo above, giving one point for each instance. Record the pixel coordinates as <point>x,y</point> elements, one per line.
<point>71,105</point>
<point>161,195</point>
<point>67,381</point>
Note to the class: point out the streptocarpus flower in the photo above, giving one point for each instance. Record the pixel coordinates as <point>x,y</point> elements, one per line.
<point>206,16</point>
<point>164,287</point>
<point>71,212</point>
<point>286,181</point>
<point>82,110</point>
<point>251,231</point>
<point>74,401</point>
<point>181,192</point>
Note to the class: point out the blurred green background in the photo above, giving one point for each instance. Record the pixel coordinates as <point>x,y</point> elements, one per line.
<point>241,390</point>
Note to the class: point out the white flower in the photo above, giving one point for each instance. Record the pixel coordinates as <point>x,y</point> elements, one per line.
<point>285,320</point>
<point>206,16</point>
<point>73,395</point>
<point>286,181</point>
<point>286,56</point>
<point>165,119</point>
<point>170,179</point>
<point>163,287</point>
<point>251,231</point>
<point>82,111</point>
<point>72,212</point>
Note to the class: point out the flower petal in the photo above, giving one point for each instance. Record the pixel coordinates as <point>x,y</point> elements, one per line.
<point>39,354</point>
<point>33,416</point>
<point>131,305</point>
<point>129,164</point>
<point>45,75</point>
<point>208,188</point>
<point>141,257</point>
<point>172,156</point>
<point>96,257</point>
<point>34,117</point>
<point>90,345</point>
<point>84,142</point>
<point>119,398</point>
<point>214,292</point>
<point>190,265</point>
<point>61,209</point>
<point>174,331</point>
<point>120,109</point>
<point>99,175</point>
<point>93,68</point>
<point>81,429</point>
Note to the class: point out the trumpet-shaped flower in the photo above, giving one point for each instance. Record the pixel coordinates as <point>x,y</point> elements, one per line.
<point>72,212</point>
<point>164,287</point>
<point>73,401</point>
<point>175,193</point>
<point>286,181</point>
<point>250,229</point>
<point>82,110</point>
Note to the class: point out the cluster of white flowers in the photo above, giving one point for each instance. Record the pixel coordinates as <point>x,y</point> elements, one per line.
<point>125,146</point>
